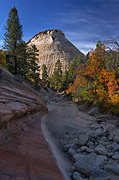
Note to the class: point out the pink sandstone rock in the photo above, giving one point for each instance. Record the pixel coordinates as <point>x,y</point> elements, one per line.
<point>26,155</point>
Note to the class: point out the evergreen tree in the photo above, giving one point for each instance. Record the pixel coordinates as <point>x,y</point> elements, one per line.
<point>33,64</point>
<point>44,73</point>
<point>23,63</point>
<point>73,67</point>
<point>45,76</point>
<point>98,45</point>
<point>13,36</point>
<point>57,75</point>
<point>65,81</point>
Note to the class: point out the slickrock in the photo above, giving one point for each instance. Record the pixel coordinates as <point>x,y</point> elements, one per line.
<point>53,45</point>
<point>15,103</point>
<point>24,152</point>
<point>26,155</point>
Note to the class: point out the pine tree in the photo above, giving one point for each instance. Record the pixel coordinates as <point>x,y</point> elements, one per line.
<point>44,73</point>
<point>23,63</point>
<point>73,67</point>
<point>13,36</point>
<point>57,75</point>
<point>45,79</point>
<point>33,64</point>
<point>65,81</point>
<point>98,45</point>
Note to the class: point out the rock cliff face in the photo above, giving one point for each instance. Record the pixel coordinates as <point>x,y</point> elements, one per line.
<point>53,45</point>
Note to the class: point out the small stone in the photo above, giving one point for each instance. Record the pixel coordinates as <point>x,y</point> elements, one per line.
<point>105,143</point>
<point>82,139</point>
<point>96,143</point>
<point>103,138</point>
<point>110,154</point>
<point>99,132</point>
<point>105,129</point>
<point>115,156</point>
<point>66,147</point>
<point>116,139</point>
<point>101,150</point>
<point>83,148</point>
<point>92,134</point>
<point>77,176</point>
<point>72,169</point>
<point>99,175</point>
<point>115,146</point>
<point>78,150</point>
<point>93,126</point>
<point>109,146</point>
<point>88,150</point>
<point>90,144</point>
<point>110,137</point>
<point>77,156</point>
<point>100,160</point>
<point>71,152</point>
<point>112,169</point>
<point>93,111</point>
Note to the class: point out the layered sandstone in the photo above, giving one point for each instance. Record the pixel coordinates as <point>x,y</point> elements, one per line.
<point>53,45</point>
<point>17,100</point>
<point>24,152</point>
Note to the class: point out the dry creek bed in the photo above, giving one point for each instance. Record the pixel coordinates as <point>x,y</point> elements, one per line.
<point>89,142</point>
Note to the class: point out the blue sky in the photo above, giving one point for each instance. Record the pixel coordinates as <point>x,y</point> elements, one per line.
<point>83,22</point>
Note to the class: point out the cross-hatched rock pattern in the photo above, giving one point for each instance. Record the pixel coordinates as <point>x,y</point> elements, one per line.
<point>53,45</point>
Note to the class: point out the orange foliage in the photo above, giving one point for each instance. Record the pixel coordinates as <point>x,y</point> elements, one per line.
<point>94,83</point>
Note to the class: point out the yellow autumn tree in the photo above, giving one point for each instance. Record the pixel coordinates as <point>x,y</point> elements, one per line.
<point>94,83</point>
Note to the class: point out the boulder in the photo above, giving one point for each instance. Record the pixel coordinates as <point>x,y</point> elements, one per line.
<point>77,176</point>
<point>110,154</point>
<point>89,150</point>
<point>77,156</point>
<point>99,175</point>
<point>82,139</point>
<point>100,150</point>
<point>99,132</point>
<point>100,160</point>
<point>71,152</point>
<point>115,156</point>
<point>115,146</point>
<point>116,139</point>
<point>85,164</point>
<point>112,168</point>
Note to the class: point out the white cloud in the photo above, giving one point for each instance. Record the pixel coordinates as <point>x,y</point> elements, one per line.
<point>81,35</point>
<point>85,47</point>
<point>84,41</point>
